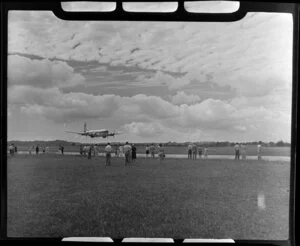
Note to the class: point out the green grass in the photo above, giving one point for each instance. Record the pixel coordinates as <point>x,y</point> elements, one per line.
<point>60,196</point>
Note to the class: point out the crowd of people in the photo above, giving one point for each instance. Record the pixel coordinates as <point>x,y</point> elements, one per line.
<point>38,149</point>
<point>129,151</point>
<point>152,150</point>
<point>193,150</point>
<point>240,150</point>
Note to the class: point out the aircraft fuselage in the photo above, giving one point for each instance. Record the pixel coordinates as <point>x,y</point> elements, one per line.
<point>98,133</point>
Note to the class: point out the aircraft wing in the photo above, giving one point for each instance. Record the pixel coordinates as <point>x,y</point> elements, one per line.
<point>79,133</point>
<point>113,133</point>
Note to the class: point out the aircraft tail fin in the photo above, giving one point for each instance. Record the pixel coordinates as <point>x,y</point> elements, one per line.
<point>84,127</point>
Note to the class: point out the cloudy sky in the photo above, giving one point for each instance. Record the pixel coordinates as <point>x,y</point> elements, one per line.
<point>152,81</point>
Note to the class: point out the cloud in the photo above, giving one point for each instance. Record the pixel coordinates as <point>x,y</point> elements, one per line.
<point>143,129</point>
<point>237,119</point>
<point>240,128</point>
<point>150,106</point>
<point>253,57</point>
<point>182,98</point>
<point>61,107</point>
<point>41,73</point>
<point>99,69</point>
<point>208,114</point>
<point>165,79</point>
<point>53,104</point>
<point>254,51</point>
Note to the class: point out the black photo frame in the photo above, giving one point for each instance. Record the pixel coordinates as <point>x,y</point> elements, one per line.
<point>179,15</point>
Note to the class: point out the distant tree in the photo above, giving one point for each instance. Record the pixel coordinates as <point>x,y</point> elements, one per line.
<point>272,144</point>
<point>280,143</point>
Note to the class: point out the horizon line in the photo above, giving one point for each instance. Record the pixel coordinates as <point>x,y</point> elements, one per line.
<point>207,141</point>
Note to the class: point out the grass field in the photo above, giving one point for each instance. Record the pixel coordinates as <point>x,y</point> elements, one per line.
<point>60,196</point>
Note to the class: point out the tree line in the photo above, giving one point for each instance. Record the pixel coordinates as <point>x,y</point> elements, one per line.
<point>208,144</point>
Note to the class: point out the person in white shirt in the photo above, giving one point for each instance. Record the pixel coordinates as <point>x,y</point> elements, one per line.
<point>127,152</point>
<point>121,154</point>
<point>89,151</point>
<point>243,151</point>
<point>152,150</point>
<point>237,151</point>
<point>108,150</point>
<point>116,151</point>
<point>259,151</point>
<point>205,152</point>
<point>84,150</point>
<point>161,152</point>
<point>96,150</point>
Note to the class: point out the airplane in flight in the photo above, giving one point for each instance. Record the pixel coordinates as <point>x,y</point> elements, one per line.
<point>95,133</point>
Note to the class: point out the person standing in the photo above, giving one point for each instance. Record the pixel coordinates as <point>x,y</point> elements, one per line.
<point>127,150</point>
<point>147,151</point>
<point>190,148</point>
<point>133,153</point>
<point>116,150</point>
<point>11,150</point>
<point>89,152</point>
<point>259,151</point>
<point>108,150</point>
<point>237,151</point>
<point>37,149</point>
<point>200,152</point>
<point>81,149</point>
<point>161,152</point>
<point>205,152</point>
<point>84,150</point>
<point>121,154</point>
<point>194,151</point>
<point>62,149</point>
<point>93,150</point>
<point>152,151</point>
<point>243,151</point>
<point>130,155</point>
<point>96,150</point>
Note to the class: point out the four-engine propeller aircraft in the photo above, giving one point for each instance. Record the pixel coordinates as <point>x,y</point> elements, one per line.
<point>95,133</point>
